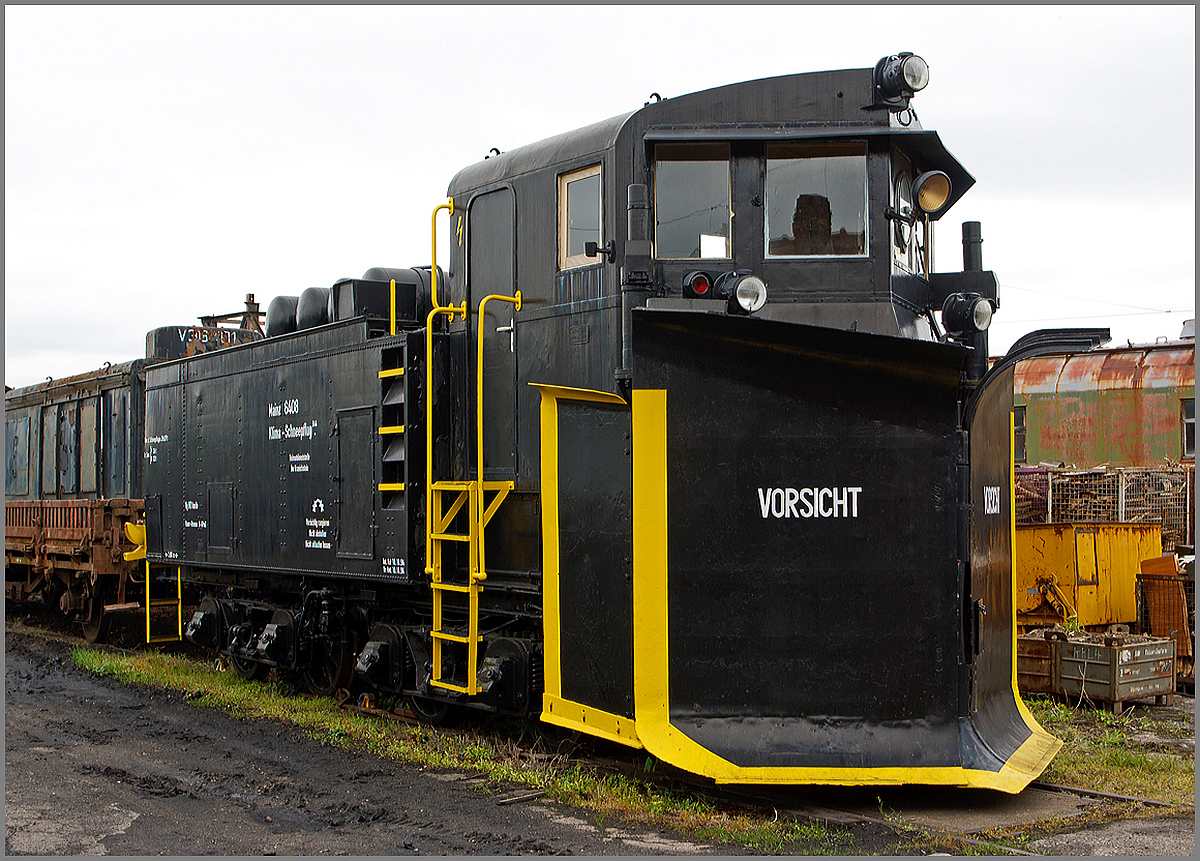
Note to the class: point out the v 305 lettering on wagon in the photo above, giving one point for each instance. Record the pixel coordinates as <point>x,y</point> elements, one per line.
<point>808,502</point>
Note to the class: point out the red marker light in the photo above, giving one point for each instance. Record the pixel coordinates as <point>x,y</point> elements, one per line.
<point>697,284</point>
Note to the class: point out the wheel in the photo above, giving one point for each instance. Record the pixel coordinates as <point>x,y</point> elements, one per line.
<point>96,630</point>
<point>97,623</point>
<point>427,711</point>
<point>331,668</point>
<point>251,671</point>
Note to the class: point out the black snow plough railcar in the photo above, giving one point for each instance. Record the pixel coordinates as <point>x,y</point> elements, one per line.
<point>688,448</point>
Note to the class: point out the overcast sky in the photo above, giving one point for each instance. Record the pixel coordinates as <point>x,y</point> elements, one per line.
<point>160,163</point>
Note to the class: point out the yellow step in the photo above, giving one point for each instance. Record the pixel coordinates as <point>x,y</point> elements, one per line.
<point>454,638</point>
<point>438,683</point>
<point>450,587</point>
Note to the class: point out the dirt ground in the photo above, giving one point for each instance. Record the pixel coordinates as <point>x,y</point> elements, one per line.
<point>94,767</point>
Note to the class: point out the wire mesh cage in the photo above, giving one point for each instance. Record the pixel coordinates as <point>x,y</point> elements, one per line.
<point>1163,495</point>
<point>1167,608</point>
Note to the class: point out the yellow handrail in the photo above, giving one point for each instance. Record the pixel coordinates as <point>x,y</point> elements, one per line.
<point>177,604</point>
<point>468,492</point>
<point>449,311</point>
<point>147,602</point>
<point>433,269</point>
<point>516,300</point>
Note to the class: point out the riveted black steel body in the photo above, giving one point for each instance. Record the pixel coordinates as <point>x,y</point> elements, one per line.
<point>814,585</point>
<point>267,457</point>
<point>767,548</point>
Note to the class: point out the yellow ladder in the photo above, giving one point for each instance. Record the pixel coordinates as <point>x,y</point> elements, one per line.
<point>136,532</point>
<point>457,494</point>
<point>445,500</point>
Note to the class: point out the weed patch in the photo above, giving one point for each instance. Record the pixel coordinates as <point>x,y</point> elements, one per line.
<point>1101,751</point>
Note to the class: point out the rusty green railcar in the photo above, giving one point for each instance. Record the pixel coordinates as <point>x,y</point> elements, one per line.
<point>1122,406</point>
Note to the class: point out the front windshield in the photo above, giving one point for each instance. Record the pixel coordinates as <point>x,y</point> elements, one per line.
<point>816,199</point>
<point>691,202</point>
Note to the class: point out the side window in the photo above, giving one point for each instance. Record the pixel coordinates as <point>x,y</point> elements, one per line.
<point>16,456</point>
<point>692,216</point>
<point>578,216</point>
<point>816,200</point>
<point>908,239</point>
<point>1188,410</point>
<point>1019,451</point>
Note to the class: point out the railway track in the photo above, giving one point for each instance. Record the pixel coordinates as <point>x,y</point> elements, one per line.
<point>836,806</point>
<point>842,806</point>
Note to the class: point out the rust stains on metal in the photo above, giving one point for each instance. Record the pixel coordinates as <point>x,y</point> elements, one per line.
<point>1120,406</point>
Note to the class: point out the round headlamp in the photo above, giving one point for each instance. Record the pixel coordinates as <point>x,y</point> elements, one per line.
<point>966,313</point>
<point>931,191</point>
<point>897,77</point>
<point>747,295</point>
<point>915,72</point>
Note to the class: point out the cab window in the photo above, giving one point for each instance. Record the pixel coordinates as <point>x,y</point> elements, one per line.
<point>578,216</point>
<point>909,241</point>
<point>691,202</point>
<point>816,200</point>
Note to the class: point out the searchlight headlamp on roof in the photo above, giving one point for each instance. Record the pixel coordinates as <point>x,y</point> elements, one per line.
<point>896,79</point>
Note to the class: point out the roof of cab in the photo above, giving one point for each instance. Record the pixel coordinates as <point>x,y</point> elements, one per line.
<point>788,107</point>
<point>590,139</point>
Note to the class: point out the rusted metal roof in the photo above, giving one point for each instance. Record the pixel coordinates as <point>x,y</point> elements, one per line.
<point>1118,406</point>
<point>1159,366</point>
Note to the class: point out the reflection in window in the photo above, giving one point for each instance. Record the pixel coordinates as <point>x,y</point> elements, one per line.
<point>691,202</point>
<point>817,199</point>
<point>578,216</point>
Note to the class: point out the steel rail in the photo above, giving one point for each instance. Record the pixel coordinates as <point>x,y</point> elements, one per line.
<point>1095,793</point>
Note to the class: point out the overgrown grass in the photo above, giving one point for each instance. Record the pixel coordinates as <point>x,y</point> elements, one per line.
<point>1099,751</point>
<point>496,758</point>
